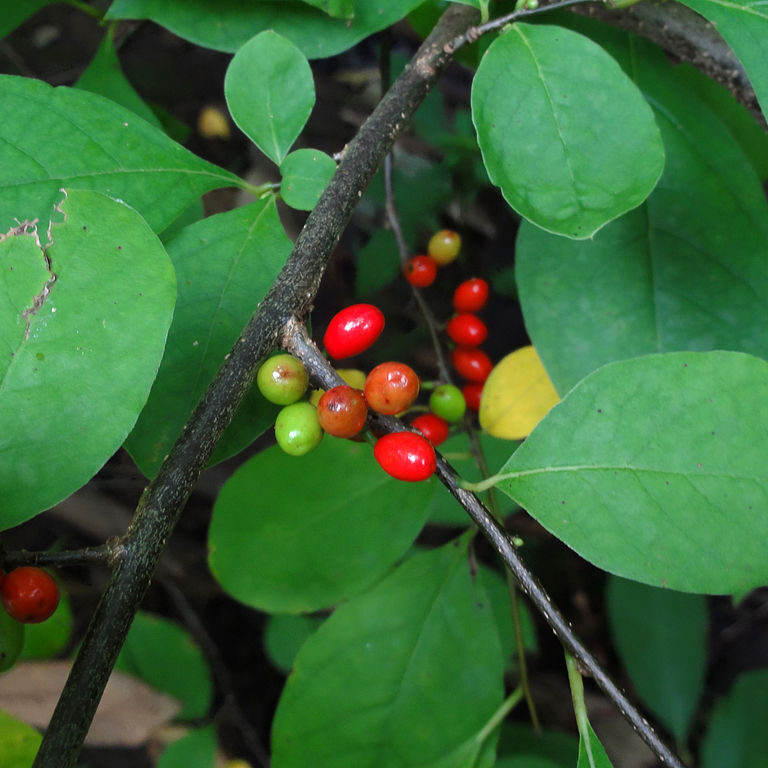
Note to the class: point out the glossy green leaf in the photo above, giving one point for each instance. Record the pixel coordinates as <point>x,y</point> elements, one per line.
<point>15,13</point>
<point>52,636</point>
<point>344,9</point>
<point>316,33</point>
<point>64,137</point>
<point>20,742</point>
<point>405,674</point>
<point>224,266</point>
<point>591,752</point>
<point>518,741</point>
<point>306,173</point>
<point>654,469</point>
<point>317,529</point>
<point>81,345</point>
<point>686,270</point>
<point>661,637</point>
<point>563,131</point>
<point>737,736</point>
<point>270,92</point>
<point>197,749</point>
<point>104,76</point>
<point>161,653</point>
<point>743,24</point>
<point>284,634</point>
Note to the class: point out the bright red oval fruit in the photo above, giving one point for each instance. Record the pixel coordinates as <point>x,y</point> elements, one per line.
<point>471,363</point>
<point>432,427</point>
<point>471,295</point>
<point>406,456</point>
<point>472,394</point>
<point>466,330</point>
<point>420,271</point>
<point>353,330</point>
<point>30,595</point>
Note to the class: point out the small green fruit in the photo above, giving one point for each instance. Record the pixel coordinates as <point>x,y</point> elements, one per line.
<point>447,402</point>
<point>11,640</point>
<point>297,429</point>
<point>282,379</point>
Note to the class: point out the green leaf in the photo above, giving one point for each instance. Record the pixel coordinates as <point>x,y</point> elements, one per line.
<point>563,131</point>
<point>519,741</point>
<point>403,675</point>
<point>197,749</point>
<point>52,636</point>
<point>224,266</point>
<point>284,635</point>
<point>737,736</point>
<point>270,92</point>
<point>316,33</point>
<point>306,173</point>
<point>378,263</point>
<point>63,137</point>
<point>163,654</point>
<point>81,347</point>
<point>646,464</point>
<point>591,752</point>
<point>661,637</point>
<point>15,13</point>
<point>321,527</point>
<point>743,24</point>
<point>687,270</point>
<point>344,9</point>
<point>20,742</point>
<point>104,76</point>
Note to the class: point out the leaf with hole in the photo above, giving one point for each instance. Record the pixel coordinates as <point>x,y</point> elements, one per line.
<point>654,469</point>
<point>563,131</point>
<point>81,346</point>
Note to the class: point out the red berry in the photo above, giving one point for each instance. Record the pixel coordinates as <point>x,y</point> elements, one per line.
<point>466,330</point>
<point>471,295</point>
<point>420,271</point>
<point>471,363</point>
<point>391,388</point>
<point>432,427</point>
<point>406,456</point>
<point>472,394</point>
<point>353,330</point>
<point>30,595</point>
<point>342,411</point>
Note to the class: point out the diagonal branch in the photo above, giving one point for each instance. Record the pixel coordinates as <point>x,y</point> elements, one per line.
<point>291,295</point>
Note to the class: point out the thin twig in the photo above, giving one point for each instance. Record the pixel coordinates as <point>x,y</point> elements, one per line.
<point>298,342</point>
<point>104,554</point>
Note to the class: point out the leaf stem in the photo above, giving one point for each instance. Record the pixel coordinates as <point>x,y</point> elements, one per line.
<point>498,716</point>
<point>577,696</point>
<point>487,482</point>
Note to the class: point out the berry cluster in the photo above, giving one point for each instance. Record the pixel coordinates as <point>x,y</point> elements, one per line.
<point>390,388</point>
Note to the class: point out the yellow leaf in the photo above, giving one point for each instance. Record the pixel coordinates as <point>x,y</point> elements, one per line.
<point>516,396</point>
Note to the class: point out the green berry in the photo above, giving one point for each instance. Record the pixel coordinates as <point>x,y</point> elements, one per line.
<point>447,402</point>
<point>297,429</point>
<point>282,379</point>
<point>11,640</point>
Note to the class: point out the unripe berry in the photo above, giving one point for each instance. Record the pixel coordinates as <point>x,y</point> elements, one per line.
<point>342,411</point>
<point>447,402</point>
<point>466,330</point>
<point>444,246</point>
<point>353,330</point>
<point>406,456</point>
<point>30,595</point>
<point>471,295</point>
<point>297,429</point>
<point>282,379</point>
<point>471,363</point>
<point>391,388</point>
<point>420,271</point>
<point>432,427</point>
